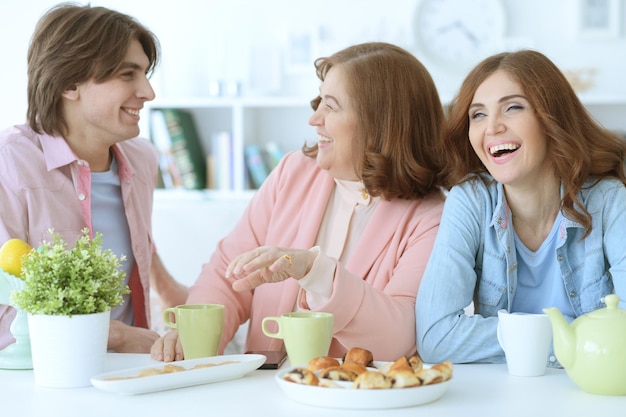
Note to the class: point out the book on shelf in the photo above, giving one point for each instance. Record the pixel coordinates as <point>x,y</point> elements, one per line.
<point>160,136</point>
<point>182,161</point>
<point>256,165</point>
<point>272,154</point>
<point>221,161</point>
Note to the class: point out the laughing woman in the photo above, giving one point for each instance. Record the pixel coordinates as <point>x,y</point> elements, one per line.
<point>536,215</point>
<point>346,225</point>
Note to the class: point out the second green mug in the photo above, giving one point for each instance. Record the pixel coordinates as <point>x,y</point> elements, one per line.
<point>307,334</point>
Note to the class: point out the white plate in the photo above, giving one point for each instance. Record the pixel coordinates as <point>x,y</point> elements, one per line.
<point>371,399</point>
<point>241,366</point>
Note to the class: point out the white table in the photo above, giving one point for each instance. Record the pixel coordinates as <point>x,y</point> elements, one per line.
<point>476,390</point>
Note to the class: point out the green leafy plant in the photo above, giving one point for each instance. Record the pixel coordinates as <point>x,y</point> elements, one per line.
<point>83,280</point>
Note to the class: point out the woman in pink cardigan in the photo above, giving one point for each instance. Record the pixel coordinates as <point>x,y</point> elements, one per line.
<point>346,225</point>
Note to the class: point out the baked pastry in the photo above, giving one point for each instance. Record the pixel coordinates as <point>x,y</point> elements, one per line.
<point>400,363</point>
<point>357,368</point>
<point>416,362</point>
<point>322,362</point>
<point>337,373</point>
<point>302,376</point>
<point>429,376</point>
<point>327,383</point>
<point>385,367</point>
<point>445,368</point>
<point>403,378</point>
<point>371,380</point>
<point>439,372</point>
<point>359,355</point>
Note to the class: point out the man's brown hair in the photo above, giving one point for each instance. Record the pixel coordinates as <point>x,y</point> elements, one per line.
<point>73,44</point>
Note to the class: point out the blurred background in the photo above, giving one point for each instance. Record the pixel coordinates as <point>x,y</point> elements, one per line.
<point>261,48</point>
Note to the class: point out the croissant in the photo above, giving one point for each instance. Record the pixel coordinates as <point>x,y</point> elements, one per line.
<point>416,362</point>
<point>337,373</point>
<point>445,368</point>
<point>302,376</point>
<point>357,368</point>
<point>322,362</point>
<point>403,378</point>
<point>371,380</point>
<point>359,355</point>
<point>429,376</point>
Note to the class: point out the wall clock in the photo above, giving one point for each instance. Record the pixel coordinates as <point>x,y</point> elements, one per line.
<point>459,31</point>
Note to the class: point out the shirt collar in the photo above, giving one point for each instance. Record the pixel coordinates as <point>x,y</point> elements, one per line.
<point>58,153</point>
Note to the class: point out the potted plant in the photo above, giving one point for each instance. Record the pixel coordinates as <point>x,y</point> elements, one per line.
<point>68,295</point>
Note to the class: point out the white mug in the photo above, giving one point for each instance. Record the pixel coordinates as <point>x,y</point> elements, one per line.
<point>526,340</point>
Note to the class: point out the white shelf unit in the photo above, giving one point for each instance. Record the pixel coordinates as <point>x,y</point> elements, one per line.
<point>281,120</point>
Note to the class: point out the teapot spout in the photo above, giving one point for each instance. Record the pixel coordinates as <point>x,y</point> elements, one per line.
<point>564,337</point>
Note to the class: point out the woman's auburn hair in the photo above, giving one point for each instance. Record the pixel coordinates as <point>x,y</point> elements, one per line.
<point>73,44</point>
<point>400,119</point>
<point>579,147</point>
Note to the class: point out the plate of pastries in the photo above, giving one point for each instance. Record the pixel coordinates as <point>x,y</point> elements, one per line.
<point>357,381</point>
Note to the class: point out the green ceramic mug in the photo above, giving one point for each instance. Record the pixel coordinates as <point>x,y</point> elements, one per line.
<point>199,327</point>
<point>307,334</point>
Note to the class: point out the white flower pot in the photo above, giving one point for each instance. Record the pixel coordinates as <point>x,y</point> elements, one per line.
<point>68,351</point>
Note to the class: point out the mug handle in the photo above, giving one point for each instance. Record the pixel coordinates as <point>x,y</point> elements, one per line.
<point>278,334</point>
<point>166,317</point>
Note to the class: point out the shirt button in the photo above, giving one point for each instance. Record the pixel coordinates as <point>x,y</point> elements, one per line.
<point>81,197</point>
<point>559,258</point>
<point>572,294</point>
<point>552,358</point>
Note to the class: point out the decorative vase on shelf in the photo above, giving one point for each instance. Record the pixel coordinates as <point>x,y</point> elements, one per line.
<point>68,295</point>
<point>18,354</point>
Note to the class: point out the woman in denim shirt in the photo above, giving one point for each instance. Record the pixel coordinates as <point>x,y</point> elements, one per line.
<point>536,214</point>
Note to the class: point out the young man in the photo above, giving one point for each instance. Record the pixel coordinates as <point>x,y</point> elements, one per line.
<point>78,162</point>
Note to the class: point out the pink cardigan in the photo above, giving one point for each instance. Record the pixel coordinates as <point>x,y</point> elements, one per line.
<point>373,297</point>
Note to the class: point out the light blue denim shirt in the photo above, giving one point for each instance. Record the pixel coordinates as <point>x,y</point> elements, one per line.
<point>474,259</point>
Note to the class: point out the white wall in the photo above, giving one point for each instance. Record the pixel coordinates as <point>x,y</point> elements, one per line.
<point>245,40</point>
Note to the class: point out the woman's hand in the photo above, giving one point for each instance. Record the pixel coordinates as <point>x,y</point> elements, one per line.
<point>167,348</point>
<point>268,264</point>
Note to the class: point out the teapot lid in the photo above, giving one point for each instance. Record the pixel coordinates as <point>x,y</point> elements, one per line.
<point>612,310</point>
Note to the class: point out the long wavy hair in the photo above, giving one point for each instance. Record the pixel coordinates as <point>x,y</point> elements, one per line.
<point>73,44</point>
<point>579,147</point>
<point>400,119</point>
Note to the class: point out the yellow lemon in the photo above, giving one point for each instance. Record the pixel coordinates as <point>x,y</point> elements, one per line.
<point>11,253</point>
